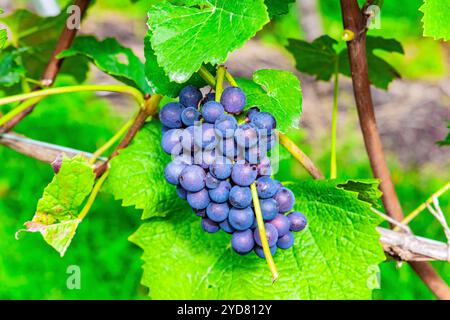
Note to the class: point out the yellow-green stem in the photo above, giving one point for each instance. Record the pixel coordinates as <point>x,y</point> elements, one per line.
<point>231,79</point>
<point>262,232</point>
<point>219,82</point>
<point>70,89</point>
<point>113,140</point>
<point>207,76</point>
<point>92,196</point>
<point>17,110</point>
<point>423,206</point>
<point>333,164</point>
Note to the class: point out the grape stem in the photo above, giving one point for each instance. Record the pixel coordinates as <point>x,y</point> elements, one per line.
<point>334,114</point>
<point>207,76</point>
<point>262,233</point>
<point>219,82</point>
<point>231,79</point>
<point>92,196</point>
<point>19,109</point>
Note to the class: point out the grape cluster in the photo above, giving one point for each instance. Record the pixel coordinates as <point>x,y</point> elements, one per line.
<point>214,162</point>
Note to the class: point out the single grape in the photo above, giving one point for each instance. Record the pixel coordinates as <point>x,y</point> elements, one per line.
<point>233,100</point>
<point>265,122</point>
<point>204,158</point>
<point>209,226</point>
<point>228,148</point>
<point>254,154</point>
<point>246,135</point>
<point>198,200</point>
<point>252,112</point>
<point>170,115</point>
<point>269,208</point>
<point>242,241</point>
<point>286,241</point>
<point>281,223</point>
<point>266,143</point>
<point>243,174</point>
<point>205,136</point>
<point>187,139</point>
<point>189,116</point>
<point>266,187</point>
<point>285,199</point>
<point>264,167</point>
<point>173,171</point>
<point>225,126</point>
<point>211,181</point>
<point>182,193</point>
<point>240,197</point>
<point>217,212</point>
<point>190,96</point>
<point>171,141</point>
<point>298,221</point>
<point>226,226</point>
<point>271,234</point>
<point>211,111</point>
<point>192,178</point>
<point>260,252</point>
<point>211,96</point>
<point>241,219</point>
<point>221,193</point>
<point>221,168</point>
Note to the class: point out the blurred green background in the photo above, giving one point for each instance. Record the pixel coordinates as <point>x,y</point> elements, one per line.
<point>110,265</point>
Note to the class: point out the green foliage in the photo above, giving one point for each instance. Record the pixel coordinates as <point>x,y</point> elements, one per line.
<point>137,175</point>
<point>268,91</point>
<point>446,141</point>
<point>112,58</point>
<point>11,70</point>
<point>184,38</point>
<point>436,19</point>
<point>323,264</point>
<point>277,7</point>
<point>56,214</point>
<point>367,190</point>
<point>322,59</point>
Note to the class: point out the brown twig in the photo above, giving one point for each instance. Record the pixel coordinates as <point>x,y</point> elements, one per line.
<point>53,66</point>
<point>354,20</point>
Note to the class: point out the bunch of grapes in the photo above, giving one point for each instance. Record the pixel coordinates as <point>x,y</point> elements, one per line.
<point>214,162</point>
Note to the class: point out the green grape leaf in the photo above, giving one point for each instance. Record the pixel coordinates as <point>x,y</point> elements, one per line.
<point>321,58</point>
<point>158,80</point>
<point>367,190</point>
<point>436,19</point>
<point>184,38</point>
<point>3,37</point>
<point>11,70</point>
<point>57,210</point>
<point>137,175</point>
<point>318,58</point>
<point>112,58</point>
<point>335,257</point>
<point>446,141</point>
<point>35,37</point>
<point>277,92</point>
<point>277,7</point>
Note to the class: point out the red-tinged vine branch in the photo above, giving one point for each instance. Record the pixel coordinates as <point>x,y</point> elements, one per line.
<point>53,66</point>
<point>354,20</point>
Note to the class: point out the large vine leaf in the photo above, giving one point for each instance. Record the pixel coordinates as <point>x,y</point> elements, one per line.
<point>321,58</point>
<point>436,19</point>
<point>184,38</point>
<point>275,91</point>
<point>278,7</point>
<point>336,257</point>
<point>111,57</point>
<point>57,210</point>
<point>137,175</point>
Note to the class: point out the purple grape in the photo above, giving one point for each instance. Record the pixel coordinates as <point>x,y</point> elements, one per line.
<point>211,96</point>
<point>243,174</point>
<point>205,138</point>
<point>211,111</point>
<point>298,221</point>
<point>260,252</point>
<point>217,212</point>
<point>240,197</point>
<point>209,225</point>
<point>192,178</point>
<point>286,241</point>
<point>233,100</point>
<point>221,193</point>
<point>198,200</point>
<point>221,168</point>
<point>189,116</point>
<point>228,148</point>
<point>252,112</point>
<point>170,115</point>
<point>264,121</point>
<point>171,141</point>
<point>190,96</point>
<point>173,171</point>
<point>271,234</point>
<point>187,139</point>
<point>264,167</point>
<point>204,158</point>
<point>285,199</point>
<point>226,226</point>
<point>225,126</point>
<point>269,208</point>
<point>246,135</point>
<point>211,181</point>
<point>241,219</point>
<point>281,223</point>
<point>181,192</point>
<point>266,187</point>
<point>242,241</point>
